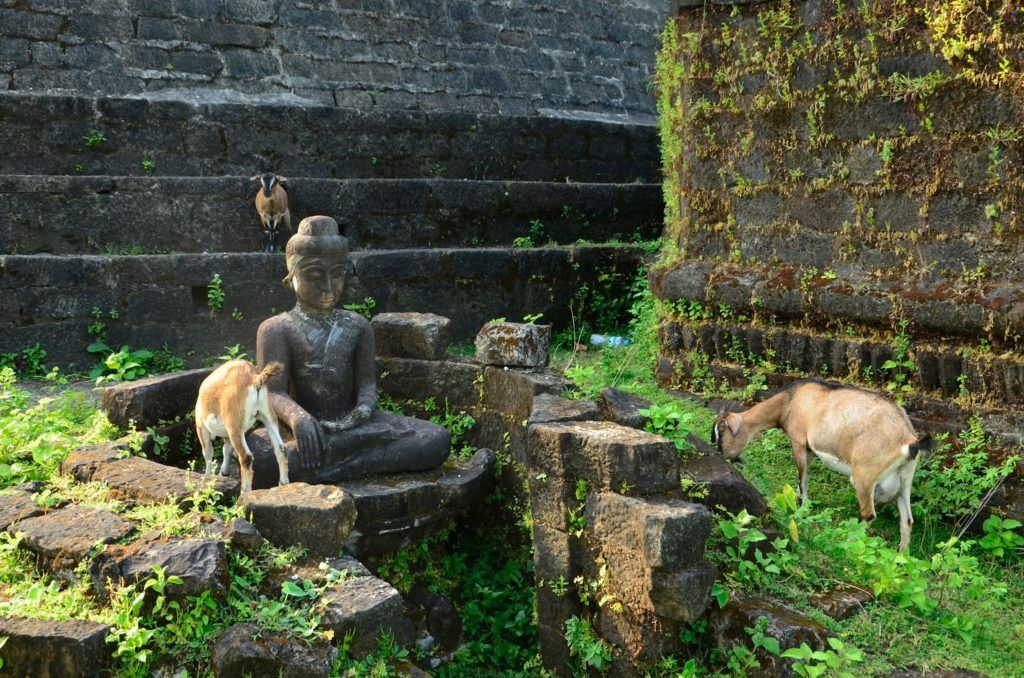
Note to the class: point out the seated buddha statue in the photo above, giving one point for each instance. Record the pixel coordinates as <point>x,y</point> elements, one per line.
<point>327,393</point>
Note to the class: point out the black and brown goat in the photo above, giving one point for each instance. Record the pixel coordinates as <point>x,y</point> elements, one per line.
<point>272,206</point>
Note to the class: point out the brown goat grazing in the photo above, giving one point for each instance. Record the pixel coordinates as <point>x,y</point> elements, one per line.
<point>272,205</point>
<point>230,401</point>
<point>861,434</point>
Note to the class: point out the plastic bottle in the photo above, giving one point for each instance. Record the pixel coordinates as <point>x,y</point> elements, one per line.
<point>606,340</point>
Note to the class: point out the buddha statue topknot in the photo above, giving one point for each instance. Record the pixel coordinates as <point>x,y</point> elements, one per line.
<point>327,393</point>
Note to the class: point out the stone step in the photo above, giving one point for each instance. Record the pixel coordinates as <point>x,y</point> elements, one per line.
<point>45,134</point>
<point>163,298</point>
<point>101,214</point>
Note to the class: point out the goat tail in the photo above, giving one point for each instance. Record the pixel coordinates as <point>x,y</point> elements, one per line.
<point>269,372</point>
<point>924,444</point>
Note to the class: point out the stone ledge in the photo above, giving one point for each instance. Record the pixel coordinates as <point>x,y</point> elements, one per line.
<point>853,297</point>
<point>396,511</point>
<point>90,214</point>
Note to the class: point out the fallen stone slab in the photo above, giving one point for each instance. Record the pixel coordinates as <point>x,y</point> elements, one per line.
<point>682,595</point>
<point>726,487</point>
<point>17,505</point>
<point>513,344</point>
<point>83,462</point>
<point>398,510</point>
<point>548,408</point>
<point>243,535</point>
<point>787,626</point>
<point>68,649</point>
<point>407,379</point>
<point>843,602</point>
<point>246,651</point>
<point>623,408</point>
<point>147,481</point>
<point>318,517</point>
<point>366,607</point>
<point>202,565</point>
<point>64,537</point>
<point>148,401</point>
<point>422,336</point>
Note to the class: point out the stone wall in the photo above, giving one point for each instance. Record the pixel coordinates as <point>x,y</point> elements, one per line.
<point>46,134</point>
<point>566,57</point>
<point>162,299</point>
<point>614,546</point>
<point>613,543</point>
<point>842,179</point>
<point>67,215</point>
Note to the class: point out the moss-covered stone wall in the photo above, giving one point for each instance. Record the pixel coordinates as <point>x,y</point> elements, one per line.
<point>848,172</point>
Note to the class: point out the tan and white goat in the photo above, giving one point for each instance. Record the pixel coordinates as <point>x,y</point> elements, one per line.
<point>272,205</point>
<point>230,401</point>
<point>863,435</point>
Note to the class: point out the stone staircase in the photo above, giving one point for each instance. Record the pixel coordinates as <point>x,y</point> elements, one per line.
<point>471,216</point>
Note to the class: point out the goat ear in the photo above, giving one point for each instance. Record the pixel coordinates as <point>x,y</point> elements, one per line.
<point>734,422</point>
<point>282,180</point>
<point>254,177</point>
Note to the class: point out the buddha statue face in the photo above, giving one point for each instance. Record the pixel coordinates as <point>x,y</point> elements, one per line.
<point>318,282</point>
<point>317,259</point>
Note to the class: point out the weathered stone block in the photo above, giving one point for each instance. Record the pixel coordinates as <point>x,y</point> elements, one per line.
<point>147,481</point>
<point>17,505</point>
<point>65,536</point>
<point>550,499</point>
<point>726,487</point>
<point>668,534</point>
<point>788,627</point>
<point>366,607</point>
<point>147,401</point>
<point>842,602</point>
<point>247,651</point>
<point>71,649</point>
<point>458,382</point>
<point>623,408</point>
<point>511,391</point>
<point>606,455</point>
<point>202,565</point>
<point>513,344</point>
<point>318,517</point>
<point>682,595</point>
<point>549,408</point>
<point>83,462</point>
<point>411,335</point>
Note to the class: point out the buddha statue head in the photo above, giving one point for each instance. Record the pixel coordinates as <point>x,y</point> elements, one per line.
<point>317,261</point>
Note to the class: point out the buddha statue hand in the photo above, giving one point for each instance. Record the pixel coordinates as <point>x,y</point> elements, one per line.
<point>359,415</point>
<point>309,441</point>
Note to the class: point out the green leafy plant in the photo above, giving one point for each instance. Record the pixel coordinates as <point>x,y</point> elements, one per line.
<point>123,364</point>
<point>94,138</point>
<point>577,514</point>
<point>590,650</point>
<point>837,662</point>
<point>148,163</point>
<point>532,318</point>
<point>668,420</point>
<point>522,242</point>
<point>363,308</point>
<point>1002,538</point>
<point>215,294</point>
<point>900,366</point>
<point>953,486</point>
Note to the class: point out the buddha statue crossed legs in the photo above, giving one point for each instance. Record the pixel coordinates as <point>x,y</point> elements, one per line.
<point>327,393</point>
